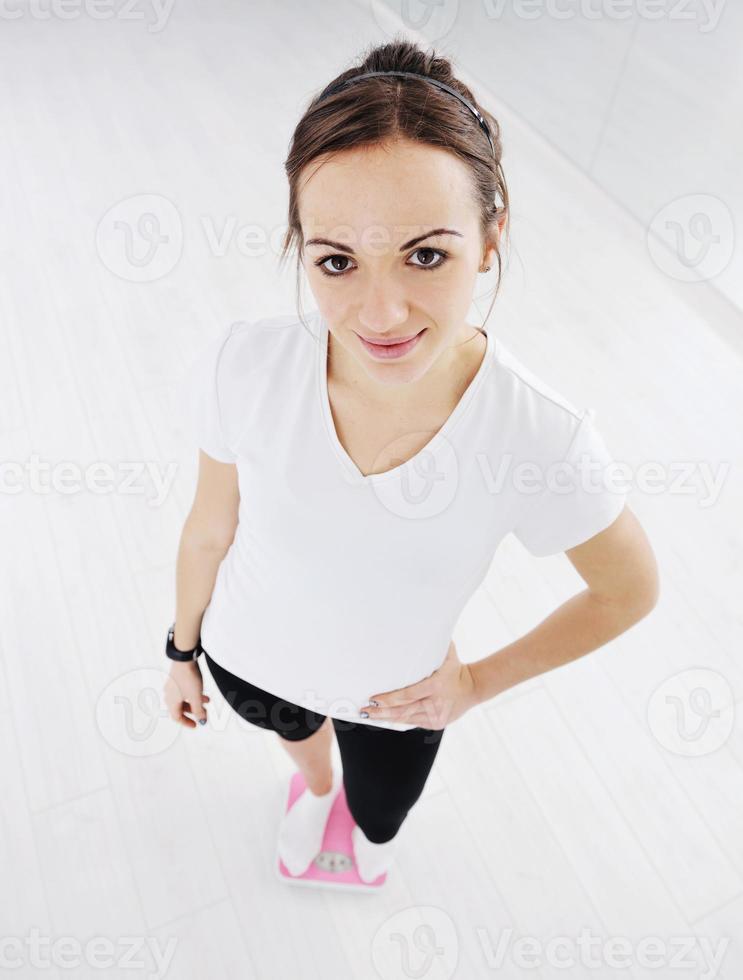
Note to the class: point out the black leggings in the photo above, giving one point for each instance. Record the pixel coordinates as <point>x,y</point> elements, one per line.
<point>384,770</point>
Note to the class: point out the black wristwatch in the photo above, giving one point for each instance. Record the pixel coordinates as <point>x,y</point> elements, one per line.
<point>174,653</point>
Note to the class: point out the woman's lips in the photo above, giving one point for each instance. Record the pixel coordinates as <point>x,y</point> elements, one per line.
<point>387,351</point>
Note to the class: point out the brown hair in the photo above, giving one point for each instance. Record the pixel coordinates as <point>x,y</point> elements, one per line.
<point>381,109</point>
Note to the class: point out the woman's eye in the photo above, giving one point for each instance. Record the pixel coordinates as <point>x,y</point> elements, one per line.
<point>335,259</point>
<point>332,258</point>
<point>431,251</point>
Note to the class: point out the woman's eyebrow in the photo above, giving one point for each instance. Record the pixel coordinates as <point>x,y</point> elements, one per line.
<point>413,241</point>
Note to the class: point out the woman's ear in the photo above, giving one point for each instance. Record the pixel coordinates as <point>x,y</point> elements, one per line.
<point>488,259</point>
<point>491,250</point>
<point>501,224</point>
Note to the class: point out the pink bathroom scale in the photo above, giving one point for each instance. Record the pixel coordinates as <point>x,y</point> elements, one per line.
<point>334,865</point>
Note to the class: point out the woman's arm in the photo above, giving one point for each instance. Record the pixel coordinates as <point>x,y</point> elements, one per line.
<point>620,570</point>
<point>207,533</point>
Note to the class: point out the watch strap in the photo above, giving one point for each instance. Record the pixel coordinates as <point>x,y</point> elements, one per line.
<point>181,655</point>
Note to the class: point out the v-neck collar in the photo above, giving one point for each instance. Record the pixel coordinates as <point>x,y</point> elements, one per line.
<point>353,473</point>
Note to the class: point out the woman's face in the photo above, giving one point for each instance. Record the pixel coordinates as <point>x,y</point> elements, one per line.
<point>375,267</point>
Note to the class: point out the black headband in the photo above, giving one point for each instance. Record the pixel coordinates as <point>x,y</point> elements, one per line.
<point>409,74</point>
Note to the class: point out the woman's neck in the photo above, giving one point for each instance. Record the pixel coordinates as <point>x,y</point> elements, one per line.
<point>446,379</point>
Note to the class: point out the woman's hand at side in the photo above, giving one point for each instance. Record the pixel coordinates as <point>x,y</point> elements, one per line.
<point>184,691</point>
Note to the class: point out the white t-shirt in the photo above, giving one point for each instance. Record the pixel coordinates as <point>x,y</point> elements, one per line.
<point>337,585</point>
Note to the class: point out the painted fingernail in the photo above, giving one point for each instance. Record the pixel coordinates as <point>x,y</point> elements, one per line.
<point>373,702</point>
<point>202,721</point>
<point>364,714</point>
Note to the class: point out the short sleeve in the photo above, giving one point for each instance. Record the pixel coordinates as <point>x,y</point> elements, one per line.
<point>204,399</point>
<point>576,496</point>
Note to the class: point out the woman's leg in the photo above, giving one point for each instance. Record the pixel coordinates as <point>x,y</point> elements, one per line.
<point>312,756</point>
<point>384,773</point>
<point>306,735</point>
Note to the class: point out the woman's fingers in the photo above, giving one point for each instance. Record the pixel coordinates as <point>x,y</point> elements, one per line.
<point>197,713</point>
<point>183,693</point>
<point>183,717</point>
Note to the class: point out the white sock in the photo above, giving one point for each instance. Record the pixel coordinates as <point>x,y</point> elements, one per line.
<point>372,859</point>
<point>302,829</point>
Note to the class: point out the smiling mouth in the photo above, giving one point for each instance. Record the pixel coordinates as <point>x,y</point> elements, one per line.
<point>390,342</point>
<point>391,349</point>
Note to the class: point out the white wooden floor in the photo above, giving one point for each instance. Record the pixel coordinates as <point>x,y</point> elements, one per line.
<point>605,796</point>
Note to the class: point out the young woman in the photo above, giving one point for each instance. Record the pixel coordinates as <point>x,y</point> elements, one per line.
<point>350,495</point>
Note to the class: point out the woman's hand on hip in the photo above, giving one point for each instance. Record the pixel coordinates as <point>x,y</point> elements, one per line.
<point>184,691</point>
<point>434,702</point>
